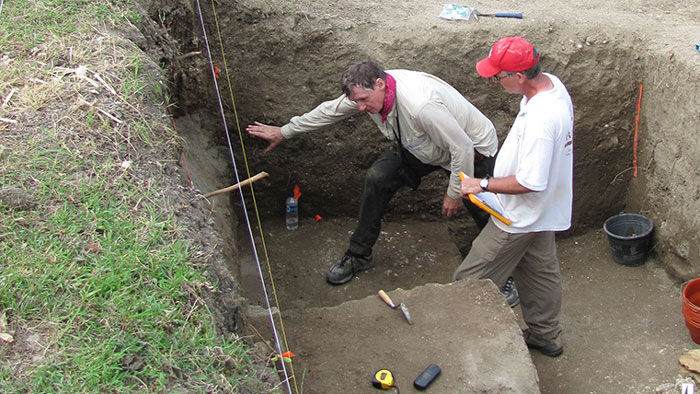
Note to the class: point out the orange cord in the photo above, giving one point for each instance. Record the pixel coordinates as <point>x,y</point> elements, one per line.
<point>636,130</point>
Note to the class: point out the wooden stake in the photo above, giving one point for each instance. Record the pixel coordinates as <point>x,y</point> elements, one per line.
<point>237,185</point>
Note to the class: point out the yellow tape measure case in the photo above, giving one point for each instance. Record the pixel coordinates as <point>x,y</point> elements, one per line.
<point>383,379</point>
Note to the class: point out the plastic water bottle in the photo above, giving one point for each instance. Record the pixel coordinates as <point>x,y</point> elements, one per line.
<point>292,208</point>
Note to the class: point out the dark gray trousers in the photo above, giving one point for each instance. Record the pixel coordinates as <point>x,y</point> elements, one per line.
<point>384,178</point>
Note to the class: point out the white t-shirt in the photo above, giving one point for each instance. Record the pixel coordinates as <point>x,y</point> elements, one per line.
<point>539,152</point>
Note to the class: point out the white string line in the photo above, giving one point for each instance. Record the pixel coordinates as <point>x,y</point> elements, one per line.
<point>240,191</point>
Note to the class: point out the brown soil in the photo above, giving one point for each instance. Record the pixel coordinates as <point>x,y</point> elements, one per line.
<point>622,325</point>
<point>623,329</point>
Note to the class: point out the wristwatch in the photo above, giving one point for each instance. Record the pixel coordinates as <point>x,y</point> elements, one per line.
<point>484,184</point>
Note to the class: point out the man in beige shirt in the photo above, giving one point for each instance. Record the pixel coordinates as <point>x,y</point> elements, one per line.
<point>433,127</point>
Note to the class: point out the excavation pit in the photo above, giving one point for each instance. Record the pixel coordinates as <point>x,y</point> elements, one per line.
<point>283,59</point>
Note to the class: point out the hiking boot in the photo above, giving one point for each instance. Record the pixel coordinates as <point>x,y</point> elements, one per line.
<point>348,266</point>
<point>510,293</point>
<point>548,348</point>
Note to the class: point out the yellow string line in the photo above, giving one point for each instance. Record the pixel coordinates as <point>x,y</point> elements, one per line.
<point>252,191</point>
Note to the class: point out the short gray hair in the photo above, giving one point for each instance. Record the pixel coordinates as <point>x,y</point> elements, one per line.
<point>363,73</point>
<point>534,71</point>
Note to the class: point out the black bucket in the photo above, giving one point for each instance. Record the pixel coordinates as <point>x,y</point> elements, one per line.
<point>629,236</point>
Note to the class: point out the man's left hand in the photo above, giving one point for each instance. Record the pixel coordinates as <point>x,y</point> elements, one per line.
<point>451,206</point>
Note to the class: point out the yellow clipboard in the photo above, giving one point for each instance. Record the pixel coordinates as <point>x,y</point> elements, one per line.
<point>475,200</point>
<point>488,209</point>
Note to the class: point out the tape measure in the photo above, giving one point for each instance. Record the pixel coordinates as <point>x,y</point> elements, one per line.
<point>383,379</point>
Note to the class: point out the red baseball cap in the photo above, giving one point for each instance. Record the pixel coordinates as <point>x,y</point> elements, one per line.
<point>510,54</point>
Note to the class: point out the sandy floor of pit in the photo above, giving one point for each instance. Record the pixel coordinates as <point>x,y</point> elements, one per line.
<point>623,328</point>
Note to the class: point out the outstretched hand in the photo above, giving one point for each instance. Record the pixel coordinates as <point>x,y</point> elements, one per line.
<point>271,134</point>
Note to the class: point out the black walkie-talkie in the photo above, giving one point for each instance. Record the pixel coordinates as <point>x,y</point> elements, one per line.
<point>426,377</point>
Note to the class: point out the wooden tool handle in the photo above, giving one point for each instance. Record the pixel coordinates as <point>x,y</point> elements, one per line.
<point>385,298</point>
<point>237,185</point>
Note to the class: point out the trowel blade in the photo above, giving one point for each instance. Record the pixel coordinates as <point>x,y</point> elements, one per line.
<point>405,312</point>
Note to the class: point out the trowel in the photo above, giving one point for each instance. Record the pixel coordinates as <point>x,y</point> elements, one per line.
<point>402,307</point>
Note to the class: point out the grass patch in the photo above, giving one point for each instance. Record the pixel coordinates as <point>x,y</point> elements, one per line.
<point>43,19</point>
<point>118,289</point>
<point>98,289</point>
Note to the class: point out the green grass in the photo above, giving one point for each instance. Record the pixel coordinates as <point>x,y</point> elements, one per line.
<point>112,284</point>
<point>96,285</point>
<point>42,19</point>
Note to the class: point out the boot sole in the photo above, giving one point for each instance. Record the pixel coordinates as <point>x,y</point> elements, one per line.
<point>341,281</point>
<point>550,353</point>
<point>347,278</point>
<point>542,349</point>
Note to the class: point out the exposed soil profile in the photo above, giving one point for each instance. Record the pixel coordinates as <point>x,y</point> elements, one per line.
<point>284,58</point>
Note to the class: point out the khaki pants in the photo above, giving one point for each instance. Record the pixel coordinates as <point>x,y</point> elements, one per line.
<point>531,259</point>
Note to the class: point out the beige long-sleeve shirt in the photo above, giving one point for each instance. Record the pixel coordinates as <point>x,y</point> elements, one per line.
<point>438,125</point>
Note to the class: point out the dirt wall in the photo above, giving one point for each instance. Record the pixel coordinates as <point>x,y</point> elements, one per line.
<point>283,58</point>
<point>668,186</point>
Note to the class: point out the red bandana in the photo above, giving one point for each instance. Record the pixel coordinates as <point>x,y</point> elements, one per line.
<point>389,96</point>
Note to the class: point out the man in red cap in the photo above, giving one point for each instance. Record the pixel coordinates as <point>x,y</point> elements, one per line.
<point>533,179</point>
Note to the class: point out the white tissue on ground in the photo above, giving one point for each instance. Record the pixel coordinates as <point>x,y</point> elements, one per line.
<point>456,12</point>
